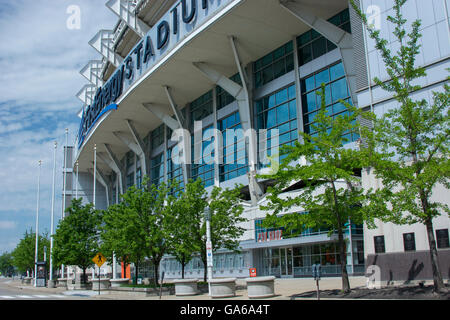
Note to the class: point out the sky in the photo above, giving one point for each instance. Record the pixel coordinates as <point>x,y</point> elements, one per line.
<point>42,50</point>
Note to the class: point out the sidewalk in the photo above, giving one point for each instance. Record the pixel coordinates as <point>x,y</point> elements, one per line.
<point>284,289</point>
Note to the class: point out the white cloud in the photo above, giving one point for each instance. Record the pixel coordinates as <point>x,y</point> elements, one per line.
<point>40,59</point>
<point>6,225</point>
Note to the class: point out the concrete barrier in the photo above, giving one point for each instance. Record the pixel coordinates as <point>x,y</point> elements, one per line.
<point>27,280</point>
<point>116,283</point>
<point>223,288</point>
<point>260,287</point>
<point>186,287</point>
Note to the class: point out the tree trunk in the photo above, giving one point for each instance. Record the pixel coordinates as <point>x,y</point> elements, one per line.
<point>156,270</point>
<point>183,264</point>
<point>439,286</point>
<point>343,255</point>
<point>83,281</point>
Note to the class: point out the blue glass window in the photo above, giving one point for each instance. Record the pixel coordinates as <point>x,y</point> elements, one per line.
<point>274,65</point>
<point>199,168</point>
<point>279,111</point>
<point>312,45</point>
<point>157,170</point>
<point>335,89</point>
<point>235,160</point>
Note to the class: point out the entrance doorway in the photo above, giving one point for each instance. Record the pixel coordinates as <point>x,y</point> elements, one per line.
<point>286,262</point>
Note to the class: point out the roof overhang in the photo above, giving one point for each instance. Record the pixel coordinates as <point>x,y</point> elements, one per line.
<point>258,26</point>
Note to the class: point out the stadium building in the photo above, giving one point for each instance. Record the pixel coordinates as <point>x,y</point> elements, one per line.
<point>252,64</point>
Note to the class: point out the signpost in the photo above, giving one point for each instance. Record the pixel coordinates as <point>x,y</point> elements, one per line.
<point>317,272</point>
<point>99,260</point>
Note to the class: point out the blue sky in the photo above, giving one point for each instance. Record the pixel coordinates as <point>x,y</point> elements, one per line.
<point>40,60</point>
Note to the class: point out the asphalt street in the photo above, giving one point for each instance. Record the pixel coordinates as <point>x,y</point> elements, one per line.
<point>9,292</point>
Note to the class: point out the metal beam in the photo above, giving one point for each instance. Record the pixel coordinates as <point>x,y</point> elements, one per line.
<point>175,108</point>
<point>141,145</point>
<point>342,39</point>
<point>160,112</point>
<point>86,94</point>
<point>103,43</point>
<point>237,91</point>
<point>115,165</point>
<point>101,178</point>
<point>92,72</point>
<point>126,11</point>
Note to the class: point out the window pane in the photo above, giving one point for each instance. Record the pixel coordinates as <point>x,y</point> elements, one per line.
<point>282,113</point>
<point>339,89</point>
<point>319,47</point>
<point>305,54</point>
<point>337,71</point>
<point>279,68</point>
<point>322,77</point>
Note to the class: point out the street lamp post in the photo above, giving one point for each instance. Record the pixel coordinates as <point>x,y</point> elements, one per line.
<point>209,253</point>
<point>52,214</point>
<point>37,226</point>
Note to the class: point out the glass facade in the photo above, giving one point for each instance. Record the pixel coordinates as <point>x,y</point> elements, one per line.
<point>203,168</point>
<point>312,45</point>
<point>278,111</point>
<point>174,170</point>
<point>235,162</point>
<point>224,98</point>
<point>202,107</point>
<point>274,65</point>
<point>157,170</point>
<point>157,137</point>
<point>336,88</point>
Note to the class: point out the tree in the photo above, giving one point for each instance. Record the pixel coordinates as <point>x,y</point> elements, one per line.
<point>138,227</point>
<point>186,214</point>
<point>412,139</point>
<point>76,240</point>
<point>6,264</point>
<point>226,210</point>
<point>331,196</point>
<point>23,256</point>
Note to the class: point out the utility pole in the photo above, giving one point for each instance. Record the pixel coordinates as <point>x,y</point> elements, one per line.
<point>37,226</point>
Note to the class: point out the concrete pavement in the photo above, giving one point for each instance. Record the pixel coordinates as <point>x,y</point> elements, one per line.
<point>284,289</point>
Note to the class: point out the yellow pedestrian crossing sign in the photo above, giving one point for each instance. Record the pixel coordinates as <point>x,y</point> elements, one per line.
<point>99,259</point>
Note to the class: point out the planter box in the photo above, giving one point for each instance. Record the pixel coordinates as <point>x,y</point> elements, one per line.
<point>260,287</point>
<point>103,283</point>
<point>223,288</point>
<point>62,283</point>
<point>116,283</point>
<point>27,280</point>
<point>147,292</point>
<point>186,287</point>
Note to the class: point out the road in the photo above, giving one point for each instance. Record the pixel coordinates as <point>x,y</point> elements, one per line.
<point>10,290</point>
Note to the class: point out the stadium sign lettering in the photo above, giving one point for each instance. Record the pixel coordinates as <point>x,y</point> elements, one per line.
<point>183,18</point>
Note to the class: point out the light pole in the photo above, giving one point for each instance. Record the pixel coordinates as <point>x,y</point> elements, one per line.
<point>209,253</point>
<point>64,187</point>
<point>52,214</point>
<point>37,226</point>
<point>76,183</point>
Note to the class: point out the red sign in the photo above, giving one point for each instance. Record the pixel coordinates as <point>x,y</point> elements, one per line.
<point>269,236</point>
<point>252,272</point>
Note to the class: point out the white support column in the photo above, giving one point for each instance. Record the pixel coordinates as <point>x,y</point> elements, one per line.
<point>175,109</point>
<point>125,10</point>
<point>160,111</point>
<point>141,146</point>
<point>115,165</point>
<point>342,39</point>
<point>102,42</point>
<point>101,178</point>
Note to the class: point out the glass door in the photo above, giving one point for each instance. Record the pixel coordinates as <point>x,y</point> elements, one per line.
<point>286,262</point>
